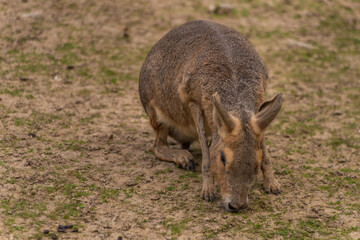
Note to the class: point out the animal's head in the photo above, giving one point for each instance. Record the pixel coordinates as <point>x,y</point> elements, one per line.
<point>237,156</point>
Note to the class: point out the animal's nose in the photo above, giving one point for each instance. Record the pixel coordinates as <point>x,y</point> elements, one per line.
<point>232,208</point>
<point>236,208</point>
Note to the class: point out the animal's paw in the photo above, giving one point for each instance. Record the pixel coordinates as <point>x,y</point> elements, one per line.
<point>184,160</point>
<point>208,192</point>
<point>272,185</point>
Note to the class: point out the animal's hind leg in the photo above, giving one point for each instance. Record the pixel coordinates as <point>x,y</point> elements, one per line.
<point>185,145</point>
<point>181,158</point>
<point>184,140</point>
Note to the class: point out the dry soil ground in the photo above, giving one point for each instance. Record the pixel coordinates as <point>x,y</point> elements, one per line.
<point>76,146</point>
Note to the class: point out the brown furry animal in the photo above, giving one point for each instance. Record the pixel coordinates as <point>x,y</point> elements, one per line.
<point>203,79</point>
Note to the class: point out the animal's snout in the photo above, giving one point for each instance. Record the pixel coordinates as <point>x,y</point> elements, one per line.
<point>231,207</point>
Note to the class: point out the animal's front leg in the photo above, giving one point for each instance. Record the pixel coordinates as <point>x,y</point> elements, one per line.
<point>270,183</point>
<point>209,190</point>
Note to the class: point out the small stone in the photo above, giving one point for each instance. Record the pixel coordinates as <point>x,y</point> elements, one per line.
<point>33,135</point>
<point>339,173</point>
<point>35,14</point>
<point>70,67</point>
<point>212,8</point>
<point>130,184</point>
<point>337,113</point>
<point>221,9</point>
<point>68,226</point>
<point>61,230</point>
<point>46,232</point>
<point>342,160</point>
<point>155,198</point>
<point>57,78</point>
<point>126,34</point>
<point>54,236</point>
<point>295,43</point>
<point>119,238</point>
<point>24,79</point>
<point>126,226</point>
<point>67,81</point>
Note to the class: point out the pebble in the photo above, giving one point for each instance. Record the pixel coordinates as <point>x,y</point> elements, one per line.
<point>295,43</point>
<point>68,226</point>
<point>341,160</point>
<point>46,232</point>
<point>32,135</point>
<point>57,78</point>
<point>53,236</point>
<point>35,14</point>
<point>111,137</point>
<point>336,113</point>
<point>61,230</point>
<point>221,9</point>
<point>130,184</point>
<point>67,81</point>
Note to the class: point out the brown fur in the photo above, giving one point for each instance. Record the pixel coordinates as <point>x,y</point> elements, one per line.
<point>203,79</point>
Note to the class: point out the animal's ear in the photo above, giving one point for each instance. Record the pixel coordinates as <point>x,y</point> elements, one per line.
<point>223,119</point>
<point>268,111</point>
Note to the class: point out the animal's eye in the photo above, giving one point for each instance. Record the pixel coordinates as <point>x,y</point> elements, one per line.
<point>222,157</point>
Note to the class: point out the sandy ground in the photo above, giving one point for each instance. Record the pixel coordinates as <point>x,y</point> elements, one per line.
<point>76,146</point>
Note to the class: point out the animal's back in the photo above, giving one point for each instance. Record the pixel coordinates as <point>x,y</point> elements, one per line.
<point>211,58</point>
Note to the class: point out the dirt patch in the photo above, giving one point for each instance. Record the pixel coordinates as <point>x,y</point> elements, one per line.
<point>76,146</point>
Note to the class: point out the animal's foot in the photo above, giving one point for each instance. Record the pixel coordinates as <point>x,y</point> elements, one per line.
<point>272,185</point>
<point>208,192</point>
<point>183,159</point>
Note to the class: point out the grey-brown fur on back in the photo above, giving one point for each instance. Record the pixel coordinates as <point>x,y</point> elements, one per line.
<point>206,58</point>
